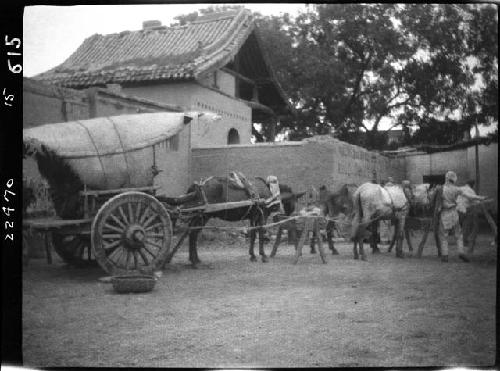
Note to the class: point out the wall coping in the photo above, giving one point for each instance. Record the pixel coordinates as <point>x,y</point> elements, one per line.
<point>252,145</point>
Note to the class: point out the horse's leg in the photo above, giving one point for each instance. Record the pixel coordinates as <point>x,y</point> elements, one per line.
<point>261,222</point>
<point>277,242</point>
<point>312,242</point>
<point>374,237</point>
<point>421,245</point>
<point>252,240</point>
<point>197,223</point>
<point>399,239</point>
<point>329,236</point>
<point>408,239</point>
<point>436,237</point>
<point>355,236</point>
<point>361,250</point>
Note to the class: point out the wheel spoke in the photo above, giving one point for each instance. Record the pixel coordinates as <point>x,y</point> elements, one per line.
<point>117,221</point>
<point>157,235</point>
<point>154,244</point>
<point>130,212</point>
<point>112,235</point>
<point>143,257</point>
<point>149,220</point>
<point>116,229</point>
<point>138,211</point>
<point>143,216</point>
<point>135,259</point>
<point>111,253</point>
<point>150,253</point>
<point>121,258</point>
<point>151,227</point>
<point>111,244</point>
<point>122,213</point>
<point>128,259</point>
<point>110,250</point>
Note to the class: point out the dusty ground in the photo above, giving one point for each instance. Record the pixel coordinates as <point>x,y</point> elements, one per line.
<point>234,313</point>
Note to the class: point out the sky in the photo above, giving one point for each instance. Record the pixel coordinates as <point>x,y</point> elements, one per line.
<point>52,33</point>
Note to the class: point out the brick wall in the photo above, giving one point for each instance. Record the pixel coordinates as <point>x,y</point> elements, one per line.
<point>302,165</point>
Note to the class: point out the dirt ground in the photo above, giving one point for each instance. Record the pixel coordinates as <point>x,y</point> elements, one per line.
<point>232,313</point>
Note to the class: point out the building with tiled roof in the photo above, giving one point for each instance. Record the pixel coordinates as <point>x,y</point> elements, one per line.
<point>214,63</point>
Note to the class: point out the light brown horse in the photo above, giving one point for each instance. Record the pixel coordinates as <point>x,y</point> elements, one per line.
<point>372,203</point>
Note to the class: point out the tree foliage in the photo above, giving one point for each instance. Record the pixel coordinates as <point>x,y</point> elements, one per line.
<point>351,66</point>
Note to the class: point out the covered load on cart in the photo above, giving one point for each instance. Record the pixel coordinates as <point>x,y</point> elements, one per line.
<point>100,173</point>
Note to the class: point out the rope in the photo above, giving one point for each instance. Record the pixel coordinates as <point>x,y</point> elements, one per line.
<point>250,228</point>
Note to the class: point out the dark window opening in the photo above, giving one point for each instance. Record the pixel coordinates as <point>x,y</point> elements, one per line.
<point>233,137</point>
<point>434,179</point>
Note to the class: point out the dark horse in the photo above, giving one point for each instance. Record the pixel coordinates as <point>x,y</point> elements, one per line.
<point>219,190</point>
<point>333,204</point>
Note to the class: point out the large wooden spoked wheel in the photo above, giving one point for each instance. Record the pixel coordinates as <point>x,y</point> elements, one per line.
<point>131,233</point>
<point>73,249</point>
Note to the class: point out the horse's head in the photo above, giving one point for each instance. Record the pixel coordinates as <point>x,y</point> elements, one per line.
<point>423,194</point>
<point>289,198</point>
<point>423,197</point>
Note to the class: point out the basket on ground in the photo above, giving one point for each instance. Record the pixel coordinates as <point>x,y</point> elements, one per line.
<point>133,283</point>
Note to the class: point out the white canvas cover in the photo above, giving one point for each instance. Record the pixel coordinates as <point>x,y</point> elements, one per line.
<point>108,152</point>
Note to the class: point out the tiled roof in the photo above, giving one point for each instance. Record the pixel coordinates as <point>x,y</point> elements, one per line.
<point>161,53</point>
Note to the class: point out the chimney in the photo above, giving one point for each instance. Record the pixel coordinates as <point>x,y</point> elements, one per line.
<point>151,25</point>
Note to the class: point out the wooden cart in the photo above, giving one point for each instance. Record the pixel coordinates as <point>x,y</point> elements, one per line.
<point>126,229</point>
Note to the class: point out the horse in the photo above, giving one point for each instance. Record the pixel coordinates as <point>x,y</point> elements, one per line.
<point>422,200</point>
<point>215,190</point>
<point>372,203</point>
<point>333,204</point>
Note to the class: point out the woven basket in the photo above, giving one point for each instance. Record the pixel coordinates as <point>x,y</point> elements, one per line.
<point>135,283</point>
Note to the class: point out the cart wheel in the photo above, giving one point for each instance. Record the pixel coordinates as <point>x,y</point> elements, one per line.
<point>131,233</point>
<point>73,249</point>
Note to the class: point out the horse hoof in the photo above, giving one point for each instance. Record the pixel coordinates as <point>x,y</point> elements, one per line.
<point>400,256</point>
<point>194,266</point>
<point>335,252</point>
<point>253,259</point>
<point>363,258</point>
<point>313,251</point>
<point>356,257</point>
<point>265,259</point>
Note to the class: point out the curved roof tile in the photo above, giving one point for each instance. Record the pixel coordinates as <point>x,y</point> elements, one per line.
<point>180,52</point>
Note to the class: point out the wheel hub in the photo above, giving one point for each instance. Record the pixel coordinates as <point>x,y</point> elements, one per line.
<point>134,237</point>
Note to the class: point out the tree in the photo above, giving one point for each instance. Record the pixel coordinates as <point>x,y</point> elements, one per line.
<point>350,66</point>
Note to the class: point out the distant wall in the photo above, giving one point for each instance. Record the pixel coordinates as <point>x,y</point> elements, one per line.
<point>302,165</point>
<point>463,163</point>
<point>488,170</point>
<point>46,104</point>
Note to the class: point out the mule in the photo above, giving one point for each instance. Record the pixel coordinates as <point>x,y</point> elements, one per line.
<point>422,200</point>
<point>221,190</point>
<point>371,203</point>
